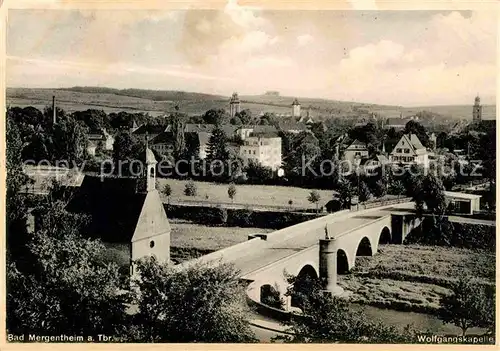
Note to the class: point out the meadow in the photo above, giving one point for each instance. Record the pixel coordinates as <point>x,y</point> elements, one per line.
<point>414,277</point>
<point>258,195</point>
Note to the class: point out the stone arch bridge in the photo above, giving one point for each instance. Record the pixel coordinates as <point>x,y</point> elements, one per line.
<point>323,247</point>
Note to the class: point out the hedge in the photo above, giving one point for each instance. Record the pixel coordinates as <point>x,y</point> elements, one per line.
<point>236,217</point>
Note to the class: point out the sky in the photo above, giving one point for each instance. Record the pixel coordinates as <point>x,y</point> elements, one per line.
<point>406,58</point>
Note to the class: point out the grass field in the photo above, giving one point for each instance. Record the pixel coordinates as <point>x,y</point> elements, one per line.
<point>189,235</point>
<point>263,195</point>
<point>414,277</point>
<point>190,240</point>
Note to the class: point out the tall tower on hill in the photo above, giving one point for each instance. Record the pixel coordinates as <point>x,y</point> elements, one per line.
<point>295,108</point>
<point>477,110</point>
<point>234,105</point>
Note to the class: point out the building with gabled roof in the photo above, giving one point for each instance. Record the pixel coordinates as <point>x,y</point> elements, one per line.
<point>126,211</point>
<point>409,151</point>
<point>152,130</point>
<point>163,144</point>
<point>356,151</point>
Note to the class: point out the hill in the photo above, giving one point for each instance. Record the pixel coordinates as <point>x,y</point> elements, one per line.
<point>158,102</point>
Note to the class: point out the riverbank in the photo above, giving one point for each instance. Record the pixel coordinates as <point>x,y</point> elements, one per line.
<point>413,278</point>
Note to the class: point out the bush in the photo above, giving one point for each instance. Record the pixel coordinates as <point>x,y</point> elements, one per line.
<point>241,218</point>
<point>220,216</point>
<point>190,189</point>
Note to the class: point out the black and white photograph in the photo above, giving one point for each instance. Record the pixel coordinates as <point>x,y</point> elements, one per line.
<point>235,172</point>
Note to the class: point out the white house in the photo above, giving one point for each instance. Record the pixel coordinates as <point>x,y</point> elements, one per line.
<point>410,151</point>
<point>356,151</point>
<point>264,150</point>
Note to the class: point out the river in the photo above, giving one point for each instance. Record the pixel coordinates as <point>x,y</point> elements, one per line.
<point>421,322</point>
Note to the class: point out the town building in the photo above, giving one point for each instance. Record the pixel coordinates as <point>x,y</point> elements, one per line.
<point>477,110</point>
<point>126,212</point>
<point>462,203</point>
<point>291,126</point>
<point>371,165</point>
<point>234,105</point>
<point>100,139</point>
<point>162,144</point>
<point>42,177</point>
<point>296,108</point>
<point>246,131</point>
<point>356,151</point>
<point>410,151</point>
<point>400,123</point>
<point>150,130</point>
<point>265,150</point>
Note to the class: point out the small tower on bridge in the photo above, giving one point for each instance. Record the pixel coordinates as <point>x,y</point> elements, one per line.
<point>328,265</point>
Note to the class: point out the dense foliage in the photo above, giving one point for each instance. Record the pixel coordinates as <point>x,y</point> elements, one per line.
<point>196,304</point>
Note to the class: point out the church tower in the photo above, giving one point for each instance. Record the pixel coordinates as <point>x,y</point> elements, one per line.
<point>150,170</point>
<point>234,105</point>
<point>477,110</point>
<point>295,108</point>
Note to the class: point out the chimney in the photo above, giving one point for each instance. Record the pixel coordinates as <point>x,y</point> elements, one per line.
<point>54,119</point>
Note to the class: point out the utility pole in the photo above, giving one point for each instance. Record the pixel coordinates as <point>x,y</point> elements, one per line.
<point>54,116</point>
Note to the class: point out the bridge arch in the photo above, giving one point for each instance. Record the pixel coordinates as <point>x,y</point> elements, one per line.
<point>364,247</point>
<point>385,236</point>
<point>343,263</point>
<point>270,296</point>
<point>306,279</point>
<point>309,269</point>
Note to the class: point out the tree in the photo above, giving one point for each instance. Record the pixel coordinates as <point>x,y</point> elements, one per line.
<point>413,127</point>
<point>15,204</point>
<point>190,189</point>
<point>257,173</point>
<point>364,192</point>
<point>127,148</point>
<point>214,116</point>
<point>346,192</point>
<point>179,139</point>
<point>66,277</point>
<point>397,188</point>
<point>218,154</point>
<point>231,191</point>
<point>94,120</point>
<point>167,191</point>
<point>469,305</point>
<point>379,188</point>
<point>314,197</point>
<point>304,149</point>
<point>235,121</point>
<point>244,116</point>
<point>327,318</point>
<point>367,133</point>
<point>267,119</point>
<point>201,303</point>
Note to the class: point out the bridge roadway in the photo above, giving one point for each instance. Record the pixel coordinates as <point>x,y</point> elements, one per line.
<point>276,249</point>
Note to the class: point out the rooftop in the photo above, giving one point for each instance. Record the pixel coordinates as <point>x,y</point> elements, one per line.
<point>457,195</point>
